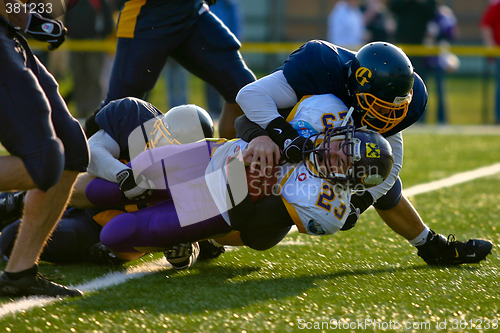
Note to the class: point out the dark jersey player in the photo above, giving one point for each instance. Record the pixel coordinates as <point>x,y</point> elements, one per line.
<point>385,94</point>
<point>150,31</point>
<point>46,144</point>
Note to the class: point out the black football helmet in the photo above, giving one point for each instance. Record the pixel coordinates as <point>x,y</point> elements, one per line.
<point>380,82</point>
<point>369,157</point>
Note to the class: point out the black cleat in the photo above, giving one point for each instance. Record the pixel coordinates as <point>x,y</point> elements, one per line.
<point>439,251</point>
<point>34,285</point>
<point>209,250</point>
<point>101,254</point>
<point>11,207</point>
<point>183,255</point>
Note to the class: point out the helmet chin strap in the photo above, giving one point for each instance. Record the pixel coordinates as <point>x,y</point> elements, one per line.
<point>348,116</point>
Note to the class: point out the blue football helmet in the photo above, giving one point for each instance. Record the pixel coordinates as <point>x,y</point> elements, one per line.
<point>380,81</point>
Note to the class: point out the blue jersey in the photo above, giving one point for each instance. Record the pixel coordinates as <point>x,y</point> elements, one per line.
<point>319,67</point>
<point>119,118</point>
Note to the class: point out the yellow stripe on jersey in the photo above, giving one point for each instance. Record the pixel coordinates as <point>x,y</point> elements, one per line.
<point>284,180</point>
<point>104,217</point>
<point>128,18</point>
<point>292,113</point>
<point>295,216</point>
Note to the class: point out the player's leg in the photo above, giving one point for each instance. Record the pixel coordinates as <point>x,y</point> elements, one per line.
<point>31,136</point>
<point>137,65</point>
<point>157,228</point>
<point>219,63</point>
<point>435,249</point>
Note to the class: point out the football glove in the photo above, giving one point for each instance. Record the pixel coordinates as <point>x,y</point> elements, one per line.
<point>287,138</point>
<point>46,30</point>
<point>129,187</point>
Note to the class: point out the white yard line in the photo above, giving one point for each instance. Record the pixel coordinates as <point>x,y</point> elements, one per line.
<point>160,264</point>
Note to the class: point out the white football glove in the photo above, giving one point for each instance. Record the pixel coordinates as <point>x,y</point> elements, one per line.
<point>129,187</point>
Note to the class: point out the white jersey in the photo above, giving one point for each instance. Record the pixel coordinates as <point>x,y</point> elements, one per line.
<point>312,203</point>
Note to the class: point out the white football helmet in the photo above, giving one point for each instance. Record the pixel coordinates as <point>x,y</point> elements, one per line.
<point>182,124</point>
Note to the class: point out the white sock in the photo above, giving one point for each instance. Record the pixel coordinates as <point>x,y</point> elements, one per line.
<point>420,239</point>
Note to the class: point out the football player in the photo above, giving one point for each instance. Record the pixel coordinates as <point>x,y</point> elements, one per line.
<point>203,207</point>
<point>385,94</point>
<point>47,145</point>
<point>150,31</point>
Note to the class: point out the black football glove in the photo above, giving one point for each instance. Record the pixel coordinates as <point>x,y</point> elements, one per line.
<point>210,2</point>
<point>129,187</point>
<point>46,30</point>
<point>287,138</point>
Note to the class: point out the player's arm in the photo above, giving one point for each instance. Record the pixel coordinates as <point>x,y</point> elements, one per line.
<point>396,142</point>
<point>260,100</point>
<point>104,163</point>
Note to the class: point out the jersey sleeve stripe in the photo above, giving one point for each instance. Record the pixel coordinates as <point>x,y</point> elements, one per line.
<point>292,113</point>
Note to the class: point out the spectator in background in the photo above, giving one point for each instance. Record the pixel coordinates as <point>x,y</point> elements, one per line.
<point>490,30</point>
<point>379,24</point>
<point>441,31</point>
<point>90,19</point>
<point>229,12</point>
<point>346,24</point>
<point>412,17</point>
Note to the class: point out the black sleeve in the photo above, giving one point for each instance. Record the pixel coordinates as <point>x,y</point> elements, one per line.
<point>247,129</point>
<point>268,214</point>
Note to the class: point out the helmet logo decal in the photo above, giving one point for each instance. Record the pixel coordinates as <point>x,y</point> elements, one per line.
<point>363,75</point>
<point>372,150</point>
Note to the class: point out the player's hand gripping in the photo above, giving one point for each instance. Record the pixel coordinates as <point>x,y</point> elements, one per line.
<point>262,154</point>
<point>287,138</point>
<point>129,187</point>
<point>46,30</point>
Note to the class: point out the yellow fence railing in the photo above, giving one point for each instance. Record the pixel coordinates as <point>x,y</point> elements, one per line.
<point>109,45</point>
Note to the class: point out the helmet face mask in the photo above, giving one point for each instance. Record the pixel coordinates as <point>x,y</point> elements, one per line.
<point>368,157</point>
<point>381,82</point>
<point>380,115</point>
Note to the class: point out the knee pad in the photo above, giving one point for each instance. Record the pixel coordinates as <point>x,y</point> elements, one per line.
<point>391,198</point>
<point>46,167</point>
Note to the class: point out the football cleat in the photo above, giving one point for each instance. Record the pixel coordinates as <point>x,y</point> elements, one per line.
<point>11,207</point>
<point>101,254</point>
<point>183,255</point>
<point>210,250</point>
<point>439,251</point>
<point>34,285</point>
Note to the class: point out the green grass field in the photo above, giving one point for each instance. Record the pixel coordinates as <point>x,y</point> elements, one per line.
<point>366,279</point>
